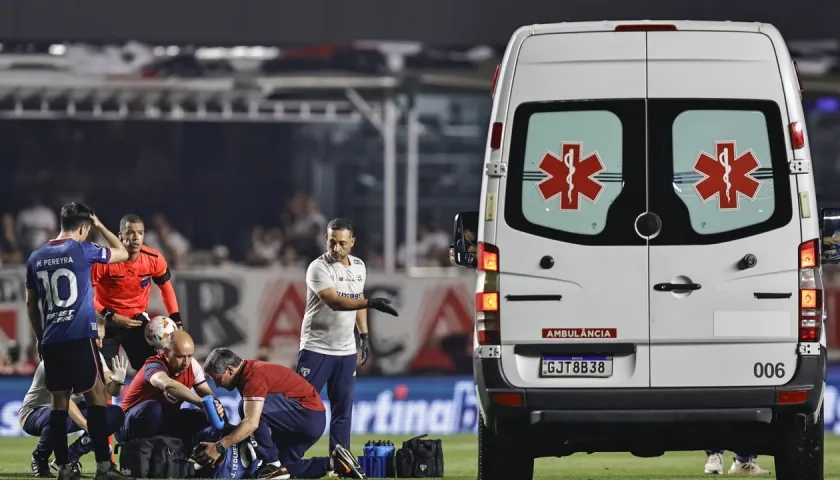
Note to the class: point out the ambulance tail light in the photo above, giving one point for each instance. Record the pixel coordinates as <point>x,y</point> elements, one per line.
<point>487,318</point>
<point>507,399</point>
<point>797,135</point>
<point>792,397</point>
<point>487,328</point>
<point>810,292</point>
<point>487,301</point>
<point>488,257</point>
<point>496,135</point>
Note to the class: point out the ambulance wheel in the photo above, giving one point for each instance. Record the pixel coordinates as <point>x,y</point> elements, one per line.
<point>503,457</point>
<point>801,453</point>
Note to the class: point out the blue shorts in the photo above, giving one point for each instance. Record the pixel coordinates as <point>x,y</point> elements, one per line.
<point>72,365</point>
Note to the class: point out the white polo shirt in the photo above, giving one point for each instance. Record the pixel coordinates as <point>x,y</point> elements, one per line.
<point>324,330</point>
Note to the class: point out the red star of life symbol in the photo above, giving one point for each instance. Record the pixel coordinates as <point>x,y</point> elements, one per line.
<point>727,176</point>
<point>571,176</point>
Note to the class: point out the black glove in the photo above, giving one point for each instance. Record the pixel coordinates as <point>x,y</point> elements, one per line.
<point>364,346</point>
<point>383,305</point>
<point>143,317</point>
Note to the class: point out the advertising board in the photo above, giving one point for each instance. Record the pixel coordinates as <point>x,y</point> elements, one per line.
<point>382,406</point>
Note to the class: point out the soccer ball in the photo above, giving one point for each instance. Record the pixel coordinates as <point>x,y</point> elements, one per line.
<point>159,331</point>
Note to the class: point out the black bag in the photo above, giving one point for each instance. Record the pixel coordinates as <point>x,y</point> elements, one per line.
<point>420,458</point>
<point>155,457</point>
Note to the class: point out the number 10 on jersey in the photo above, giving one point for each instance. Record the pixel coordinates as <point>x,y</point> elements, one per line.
<point>55,300</point>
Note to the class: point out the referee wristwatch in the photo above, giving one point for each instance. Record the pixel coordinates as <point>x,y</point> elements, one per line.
<point>220,448</point>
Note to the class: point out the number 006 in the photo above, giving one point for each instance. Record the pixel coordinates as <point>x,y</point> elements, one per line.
<point>769,370</point>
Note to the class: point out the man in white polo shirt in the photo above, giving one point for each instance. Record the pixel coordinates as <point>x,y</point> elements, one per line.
<point>335,307</point>
<point>34,414</point>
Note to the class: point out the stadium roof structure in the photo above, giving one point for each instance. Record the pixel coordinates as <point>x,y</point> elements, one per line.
<point>306,84</point>
<point>29,90</point>
<point>298,98</point>
<point>316,97</point>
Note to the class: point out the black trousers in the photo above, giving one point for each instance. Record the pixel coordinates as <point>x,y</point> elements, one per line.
<point>133,342</point>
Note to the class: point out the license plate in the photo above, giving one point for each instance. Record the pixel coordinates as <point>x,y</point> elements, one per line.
<point>576,367</point>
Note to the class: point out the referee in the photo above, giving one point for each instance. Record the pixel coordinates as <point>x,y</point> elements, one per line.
<point>123,291</point>
<point>335,304</point>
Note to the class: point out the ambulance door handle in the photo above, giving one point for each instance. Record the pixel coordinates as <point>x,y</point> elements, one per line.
<point>676,287</point>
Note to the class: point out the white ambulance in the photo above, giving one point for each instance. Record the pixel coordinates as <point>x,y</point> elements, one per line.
<point>648,249</point>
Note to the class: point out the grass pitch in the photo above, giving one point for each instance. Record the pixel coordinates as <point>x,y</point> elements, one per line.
<point>460,461</point>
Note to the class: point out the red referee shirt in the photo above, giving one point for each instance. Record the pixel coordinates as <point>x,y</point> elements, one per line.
<point>125,287</point>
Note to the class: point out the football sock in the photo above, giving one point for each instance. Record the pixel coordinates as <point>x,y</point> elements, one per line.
<point>58,435</point>
<point>98,430</point>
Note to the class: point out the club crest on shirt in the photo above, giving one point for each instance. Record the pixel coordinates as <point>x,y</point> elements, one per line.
<point>304,372</point>
<point>351,279</point>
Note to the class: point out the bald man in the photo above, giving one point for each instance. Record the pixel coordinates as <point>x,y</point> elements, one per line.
<point>152,402</point>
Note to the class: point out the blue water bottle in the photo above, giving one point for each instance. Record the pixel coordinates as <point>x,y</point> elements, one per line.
<point>210,407</point>
<point>380,452</point>
<point>366,460</point>
<point>380,449</point>
<point>390,461</point>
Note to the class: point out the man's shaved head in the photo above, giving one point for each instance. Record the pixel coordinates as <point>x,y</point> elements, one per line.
<point>181,341</point>
<point>179,352</point>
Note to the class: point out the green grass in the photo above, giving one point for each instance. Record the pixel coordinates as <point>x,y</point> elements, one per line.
<point>460,458</point>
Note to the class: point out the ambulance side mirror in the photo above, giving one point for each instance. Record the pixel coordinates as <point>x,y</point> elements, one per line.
<point>465,240</point>
<point>830,231</point>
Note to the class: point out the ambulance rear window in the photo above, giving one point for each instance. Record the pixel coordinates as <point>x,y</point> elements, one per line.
<point>719,169</point>
<point>712,170</point>
<point>722,169</point>
<point>569,176</point>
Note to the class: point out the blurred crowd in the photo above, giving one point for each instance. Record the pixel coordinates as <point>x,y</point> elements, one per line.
<point>292,241</point>
<point>18,362</point>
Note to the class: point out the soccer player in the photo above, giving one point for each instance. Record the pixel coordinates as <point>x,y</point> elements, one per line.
<point>152,402</point>
<point>123,290</point>
<point>34,414</point>
<point>59,303</point>
<point>335,304</point>
<point>283,412</point>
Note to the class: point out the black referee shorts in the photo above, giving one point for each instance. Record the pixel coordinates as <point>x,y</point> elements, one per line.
<point>72,365</point>
<point>133,341</point>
